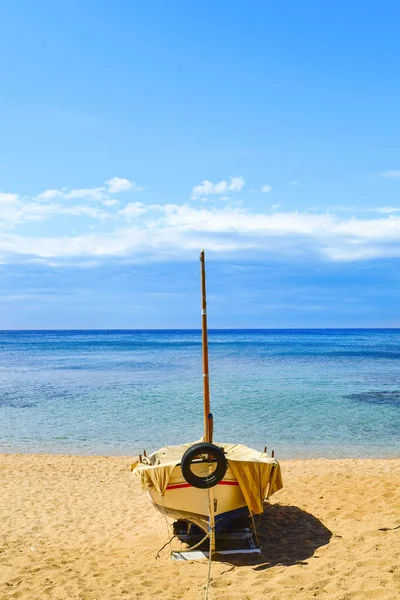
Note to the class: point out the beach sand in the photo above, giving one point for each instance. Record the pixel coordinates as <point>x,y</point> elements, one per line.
<point>79,528</point>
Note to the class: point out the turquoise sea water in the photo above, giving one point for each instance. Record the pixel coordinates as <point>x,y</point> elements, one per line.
<point>305,393</point>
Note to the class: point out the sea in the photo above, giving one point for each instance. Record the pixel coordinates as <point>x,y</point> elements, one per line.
<point>302,393</point>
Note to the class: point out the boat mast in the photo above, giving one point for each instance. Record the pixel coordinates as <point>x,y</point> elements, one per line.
<point>206,383</point>
<point>208,419</point>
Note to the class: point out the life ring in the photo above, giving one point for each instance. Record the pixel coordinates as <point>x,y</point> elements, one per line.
<point>213,453</point>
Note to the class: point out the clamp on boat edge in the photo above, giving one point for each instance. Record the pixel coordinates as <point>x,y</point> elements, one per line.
<point>214,453</point>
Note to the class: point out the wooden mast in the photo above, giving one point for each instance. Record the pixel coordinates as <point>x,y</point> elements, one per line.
<point>206,384</point>
<point>208,419</point>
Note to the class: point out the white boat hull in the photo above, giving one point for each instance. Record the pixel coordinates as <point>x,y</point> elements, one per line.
<point>182,501</point>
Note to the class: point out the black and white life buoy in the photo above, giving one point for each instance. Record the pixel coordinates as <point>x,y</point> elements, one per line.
<point>212,453</point>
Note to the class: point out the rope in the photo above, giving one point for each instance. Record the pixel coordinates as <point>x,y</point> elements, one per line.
<point>162,548</point>
<point>201,542</point>
<point>254,528</point>
<point>211,536</point>
<point>208,535</point>
<point>209,579</point>
<point>168,529</point>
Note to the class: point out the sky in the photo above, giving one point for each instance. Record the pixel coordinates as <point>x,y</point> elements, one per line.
<point>133,134</point>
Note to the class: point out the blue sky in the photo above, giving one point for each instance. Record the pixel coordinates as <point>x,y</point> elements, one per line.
<point>133,134</point>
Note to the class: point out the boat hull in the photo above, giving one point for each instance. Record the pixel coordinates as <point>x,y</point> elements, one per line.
<point>182,501</point>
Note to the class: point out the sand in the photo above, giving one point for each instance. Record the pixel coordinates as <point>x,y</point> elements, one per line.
<point>79,528</point>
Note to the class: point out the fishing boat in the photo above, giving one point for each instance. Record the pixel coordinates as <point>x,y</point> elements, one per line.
<point>205,483</point>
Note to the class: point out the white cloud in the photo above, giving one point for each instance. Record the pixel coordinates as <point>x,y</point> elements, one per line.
<point>146,231</point>
<point>391,174</point>
<point>15,209</point>
<point>386,210</point>
<point>132,210</point>
<point>49,195</point>
<point>31,212</point>
<point>237,183</point>
<point>119,184</point>
<point>89,193</point>
<point>115,185</point>
<point>266,188</point>
<point>294,183</point>
<point>205,188</point>
<point>89,211</point>
<point>238,220</point>
<point>176,228</point>
<point>6,198</point>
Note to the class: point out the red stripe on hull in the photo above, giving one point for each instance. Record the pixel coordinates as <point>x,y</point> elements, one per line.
<point>186,485</point>
<point>178,485</point>
<point>228,483</point>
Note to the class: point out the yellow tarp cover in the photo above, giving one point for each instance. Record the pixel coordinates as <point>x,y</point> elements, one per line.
<point>256,473</point>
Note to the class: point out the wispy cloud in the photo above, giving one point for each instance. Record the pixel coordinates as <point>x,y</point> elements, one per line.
<point>390,174</point>
<point>111,202</point>
<point>22,211</point>
<point>385,210</point>
<point>294,183</point>
<point>171,229</point>
<point>266,188</point>
<point>132,210</point>
<point>115,185</point>
<point>205,188</point>
<point>15,209</point>
<point>141,231</point>
<point>6,198</point>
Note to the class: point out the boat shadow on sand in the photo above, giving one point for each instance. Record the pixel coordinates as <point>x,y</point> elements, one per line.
<point>288,536</point>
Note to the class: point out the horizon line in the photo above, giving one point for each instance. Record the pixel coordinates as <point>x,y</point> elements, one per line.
<point>112,329</point>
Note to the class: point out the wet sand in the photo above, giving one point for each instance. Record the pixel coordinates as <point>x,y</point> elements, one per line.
<point>79,528</point>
